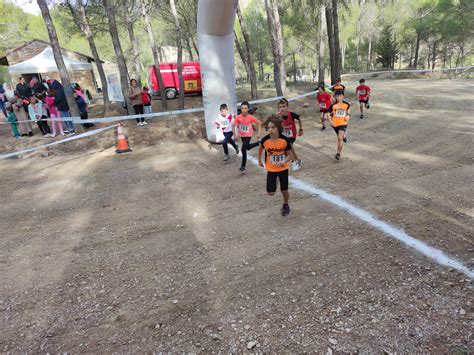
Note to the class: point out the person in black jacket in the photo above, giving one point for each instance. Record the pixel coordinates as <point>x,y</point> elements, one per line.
<point>62,105</point>
<point>39,89</point>
<point>24,92</point>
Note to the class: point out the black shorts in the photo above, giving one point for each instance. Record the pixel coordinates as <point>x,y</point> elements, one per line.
<point>363,101</point>
<point>324,111</point>
<point>272,180</point>
<point>291,139</point>
<point>340,128</point>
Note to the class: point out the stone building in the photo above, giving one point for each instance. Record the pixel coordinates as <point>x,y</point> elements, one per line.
<point>35,58</point>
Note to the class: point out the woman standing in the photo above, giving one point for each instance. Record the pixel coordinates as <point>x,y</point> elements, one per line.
<point>22,117</point>
<point>135,95</point>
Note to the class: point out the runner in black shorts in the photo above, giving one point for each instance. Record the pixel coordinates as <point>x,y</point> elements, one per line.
<point>278,154</point>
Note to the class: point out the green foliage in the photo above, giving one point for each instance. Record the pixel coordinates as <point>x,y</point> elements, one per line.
<point>387,48</point>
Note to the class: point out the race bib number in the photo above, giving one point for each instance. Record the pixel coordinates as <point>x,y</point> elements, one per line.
<point>340,113</point>
<point>224,123</point>
<point>244,128</point>
<point>277,158</point>
<point>362,92</point>
<point>288,133</point>
<point>322,105</point>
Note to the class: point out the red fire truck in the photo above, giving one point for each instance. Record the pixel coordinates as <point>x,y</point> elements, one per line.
<point>169,73</point>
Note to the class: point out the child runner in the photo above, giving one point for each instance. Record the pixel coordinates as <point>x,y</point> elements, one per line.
<point>363,91</point>
<point>244,123</point>
<point>289,129</point>
<point>224,122</point>
<point>146,98</point>
<point>338,86</point>
<point>324,100</point>
<point>340,113</point>
<point>277,156</point>
<point>53,113</point>
<point>12,119</point>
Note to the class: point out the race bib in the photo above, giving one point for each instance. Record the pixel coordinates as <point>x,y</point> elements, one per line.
<point>288,133</point>
<point>340,113</point>
<point>361,92</point>
<point>277,158</point>
<point>322,105</point>
<point>224,123</point>
<point>244,128</point>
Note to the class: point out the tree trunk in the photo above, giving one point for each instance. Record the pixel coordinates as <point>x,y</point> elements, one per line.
<point>250,63</point>
<point>343,52</point>
<point>260,64</point>
<point>274,26</point>
<point>322,36</point>
<point>82,22</point>
<point>154,50</point>
<point>241,53</point>
<point>189,49</point>
<point>180,54</point>
<point>369,54</point>
<point>337,46</point>
<point>134,42</point>
<point>331,42</point>
<point>122,65</point>
<point>433,59</point>
<point>417,49</point>
<point>58,58</point>
<point>294,67</point>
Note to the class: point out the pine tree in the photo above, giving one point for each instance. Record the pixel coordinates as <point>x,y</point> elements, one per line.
<point>387,48</point>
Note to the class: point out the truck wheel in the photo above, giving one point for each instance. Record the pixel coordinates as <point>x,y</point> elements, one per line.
<point>170,93</point>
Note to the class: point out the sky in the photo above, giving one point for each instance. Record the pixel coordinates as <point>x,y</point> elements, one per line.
<point>29,6</point>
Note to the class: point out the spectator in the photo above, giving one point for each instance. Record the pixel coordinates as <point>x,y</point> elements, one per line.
<point>35,111</point>
<point>22,117</point>
<point>38,87</point>
<point>82,106</point>
<point>2,101</point>
<point>23,91</point>
<point>135,96</point>
<point>62,105</point>
<point>53,113</point>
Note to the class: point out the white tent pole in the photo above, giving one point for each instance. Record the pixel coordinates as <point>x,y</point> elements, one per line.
<point>215,24</point>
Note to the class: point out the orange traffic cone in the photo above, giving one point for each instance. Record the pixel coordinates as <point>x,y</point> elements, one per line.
<point>122,144</point>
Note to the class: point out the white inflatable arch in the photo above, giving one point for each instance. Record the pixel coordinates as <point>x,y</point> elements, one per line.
<point>215,25</point>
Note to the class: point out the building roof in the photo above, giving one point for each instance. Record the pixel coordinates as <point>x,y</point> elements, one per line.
<point>4,60</point>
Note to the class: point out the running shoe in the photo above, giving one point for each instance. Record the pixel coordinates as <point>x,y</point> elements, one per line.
<point>242,168</point>
<point>139,124</point>
<point>144,123</point>
<point>226,157</point>
<point>71,133</point>
<point>295,165</point>
<point>345,139</point>
<point>368,106</point>
<point>285,210</point>
<point>338,156</point>
<point>361,116</point>
<point>237,150</point>
<point>323,128</point>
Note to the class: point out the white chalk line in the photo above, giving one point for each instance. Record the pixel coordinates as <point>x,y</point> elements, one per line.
<point>435,254</point>
<point>408,71</point>
<point>68,139</point>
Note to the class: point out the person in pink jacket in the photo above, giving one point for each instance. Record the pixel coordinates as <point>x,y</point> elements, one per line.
<point>54,114</point>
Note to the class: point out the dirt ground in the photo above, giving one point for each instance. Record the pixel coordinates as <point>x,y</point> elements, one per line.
<point>168,248</point>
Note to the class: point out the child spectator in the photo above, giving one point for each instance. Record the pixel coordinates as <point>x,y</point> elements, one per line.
<point>277,158</point>
<point>13,124</point>
<point>224,122</point>
<point>82,106</point>
<point>53,113</point>
<point>35,111</point>
<point>135,96</point>
<point>146,98</point>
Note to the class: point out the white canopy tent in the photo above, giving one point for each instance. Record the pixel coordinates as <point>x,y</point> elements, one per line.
<point>45,63</point>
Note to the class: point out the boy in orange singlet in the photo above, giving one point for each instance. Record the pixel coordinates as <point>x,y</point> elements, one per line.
<point>340,113</point>
<point>277,157</point>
